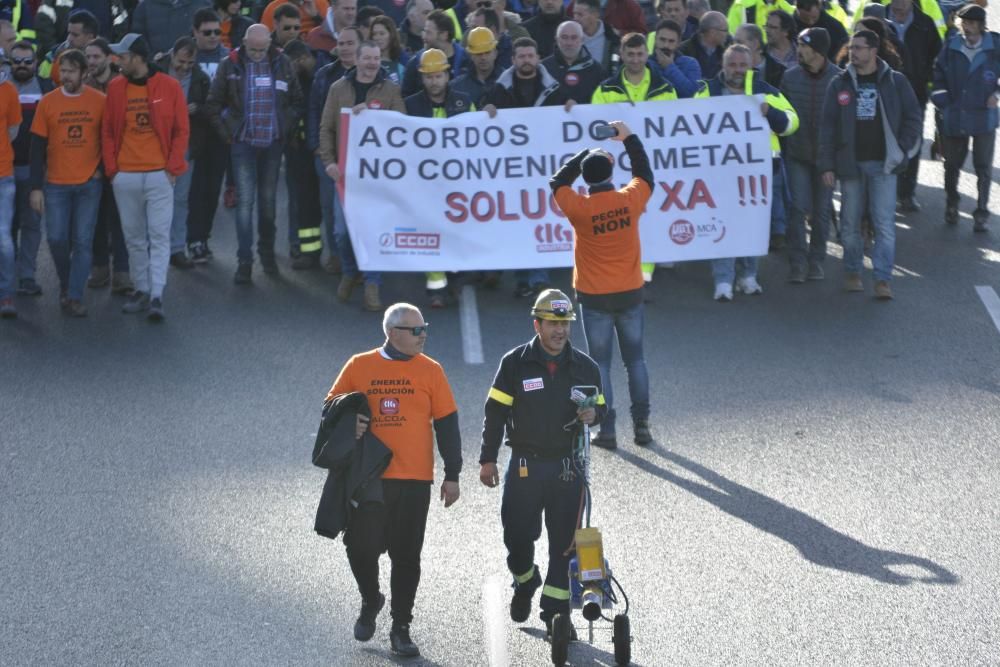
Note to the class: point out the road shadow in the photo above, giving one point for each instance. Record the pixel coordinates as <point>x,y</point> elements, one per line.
<point>389,657</point>
<point>817,542</point>
<point>580,652</point>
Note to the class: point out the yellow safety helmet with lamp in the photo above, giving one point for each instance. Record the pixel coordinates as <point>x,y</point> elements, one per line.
<point>553,305</point>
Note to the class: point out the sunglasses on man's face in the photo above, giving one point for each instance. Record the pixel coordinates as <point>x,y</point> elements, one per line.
<point>416,331</point>
<point>210,33</point>
<point>23,61</point>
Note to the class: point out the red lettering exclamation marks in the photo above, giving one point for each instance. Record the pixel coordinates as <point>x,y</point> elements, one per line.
<point>743,201</point>
<point>753,191</point>
<point>763,189</point>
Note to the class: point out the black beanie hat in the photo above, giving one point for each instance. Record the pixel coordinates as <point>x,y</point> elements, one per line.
<point>596,168</point>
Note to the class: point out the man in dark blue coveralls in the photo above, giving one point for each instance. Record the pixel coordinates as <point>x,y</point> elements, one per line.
<point>529,409</point>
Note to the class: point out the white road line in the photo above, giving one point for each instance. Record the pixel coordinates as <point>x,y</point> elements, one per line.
<point>991,301</point>
<point>472,340</point>
<point>494,627</point>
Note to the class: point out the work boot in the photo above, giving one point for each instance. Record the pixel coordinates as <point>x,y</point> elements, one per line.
<point>605,440</point>
<point>520,606</point>
<point>305,262</point>
<point>372,301</point>
<point>180,260</point>
<point>99,277</point>
<point>642,434</point>
<point>345,288</point>
<point>815,272</point>
<point>980,217</point>
<point>28,287</point>
<point>244,271</point>
<point>852,282</point>
<point>548,630</point>
<point>332,265</point>
<point>951,214</point>
<point>797,275</point>
<point>121,283</point>
<point>882,290</point>
<point>269,264</point>
<point>908,204</point>
<point>364,627</point>
<point>400,642</point>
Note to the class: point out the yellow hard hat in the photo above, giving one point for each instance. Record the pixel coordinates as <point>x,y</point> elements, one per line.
<point>553,305</point>
<point>481,40</point>
<point>433,60</point>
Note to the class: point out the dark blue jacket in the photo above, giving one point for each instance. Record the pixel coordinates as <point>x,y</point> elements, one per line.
<point>420,105</point>
<point>961,88</point>
<point>477,90</point>
<point>324,78</point>
<point>901,122</point>
<point>684,74</point>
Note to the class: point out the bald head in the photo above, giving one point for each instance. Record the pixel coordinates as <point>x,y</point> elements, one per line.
<point>256,42</point>
<point>713,28</point>
<point>569,40</point>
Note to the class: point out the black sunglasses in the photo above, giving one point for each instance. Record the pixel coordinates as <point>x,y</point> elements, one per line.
<point>209,33</point>
<point>22,61</point>
<point>416,331</point>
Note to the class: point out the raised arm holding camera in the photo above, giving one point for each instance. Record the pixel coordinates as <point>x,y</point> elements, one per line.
<point>607,271</point>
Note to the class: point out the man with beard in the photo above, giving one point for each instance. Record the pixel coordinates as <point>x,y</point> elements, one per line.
<point>804,86</point>
<point>144,139</point>
<point>27,228</point>
<point>109,242</point>
<point>681,71</point>
<point>66,175</point>
<point>437,100</point>
<point>478,79</point>
<point>870,126</point>
<point>83,28</point>
<point>522,85</point>
<point>572,65</point>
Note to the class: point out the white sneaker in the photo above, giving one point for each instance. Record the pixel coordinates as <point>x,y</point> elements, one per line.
<point>723,292</point>
<point>749,285</point>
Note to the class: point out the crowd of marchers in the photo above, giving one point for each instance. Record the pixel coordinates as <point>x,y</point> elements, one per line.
<point>130,123</point>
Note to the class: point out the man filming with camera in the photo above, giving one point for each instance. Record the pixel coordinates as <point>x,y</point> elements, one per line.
<point>607,274</point>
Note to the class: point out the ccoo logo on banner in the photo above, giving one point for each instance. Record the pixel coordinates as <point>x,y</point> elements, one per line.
<point>470,192</point>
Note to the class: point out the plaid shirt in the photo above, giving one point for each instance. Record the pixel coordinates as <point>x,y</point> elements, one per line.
<point>260,127</point>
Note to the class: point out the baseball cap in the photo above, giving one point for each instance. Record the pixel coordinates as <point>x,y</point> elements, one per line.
<point>133,43</point>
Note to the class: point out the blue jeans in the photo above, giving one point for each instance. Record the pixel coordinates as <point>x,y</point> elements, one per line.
<point>880,189</point>
<point>779,198</point>
<point>7,193</point>
<point>70,219</point>
<point>599,328</point>
<point>178,226</point>
<point>255,171</point>
<point>809,198</point>
<point>326,193</point>
<point>27,226</point>
<point>342,239</point>
<point>726,269</point>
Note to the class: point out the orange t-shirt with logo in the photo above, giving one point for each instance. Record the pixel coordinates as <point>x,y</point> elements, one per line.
<point>141,149</point>
<point>405,397</point>
<point>607,254</point>
<point>10,112</point>
<point>72,126</point>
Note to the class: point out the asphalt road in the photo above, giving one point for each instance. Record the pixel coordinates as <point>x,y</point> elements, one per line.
<point>823,489</point>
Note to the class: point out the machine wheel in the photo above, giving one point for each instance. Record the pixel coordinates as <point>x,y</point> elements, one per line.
<point>560,639</point>
<point>622,640</point>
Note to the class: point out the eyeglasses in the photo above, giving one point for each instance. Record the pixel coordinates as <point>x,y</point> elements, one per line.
<point>22,61</point>
<point>416,331</point>
<point>210,33</point>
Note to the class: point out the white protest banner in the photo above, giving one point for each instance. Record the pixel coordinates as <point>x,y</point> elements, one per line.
<point>471,192</point>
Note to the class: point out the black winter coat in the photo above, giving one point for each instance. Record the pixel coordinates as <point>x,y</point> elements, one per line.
<point>355,466</point>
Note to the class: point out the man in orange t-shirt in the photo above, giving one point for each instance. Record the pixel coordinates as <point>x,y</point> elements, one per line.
<point>10,117</point>
<point>66,178</point>
<point>607,273</point>
<point>407,393</point>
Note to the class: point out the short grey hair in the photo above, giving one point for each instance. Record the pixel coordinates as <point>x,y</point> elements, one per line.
<point>394,315</point>
<point>713,20</point>
<point>569,25</point>
<point>751,31</point>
